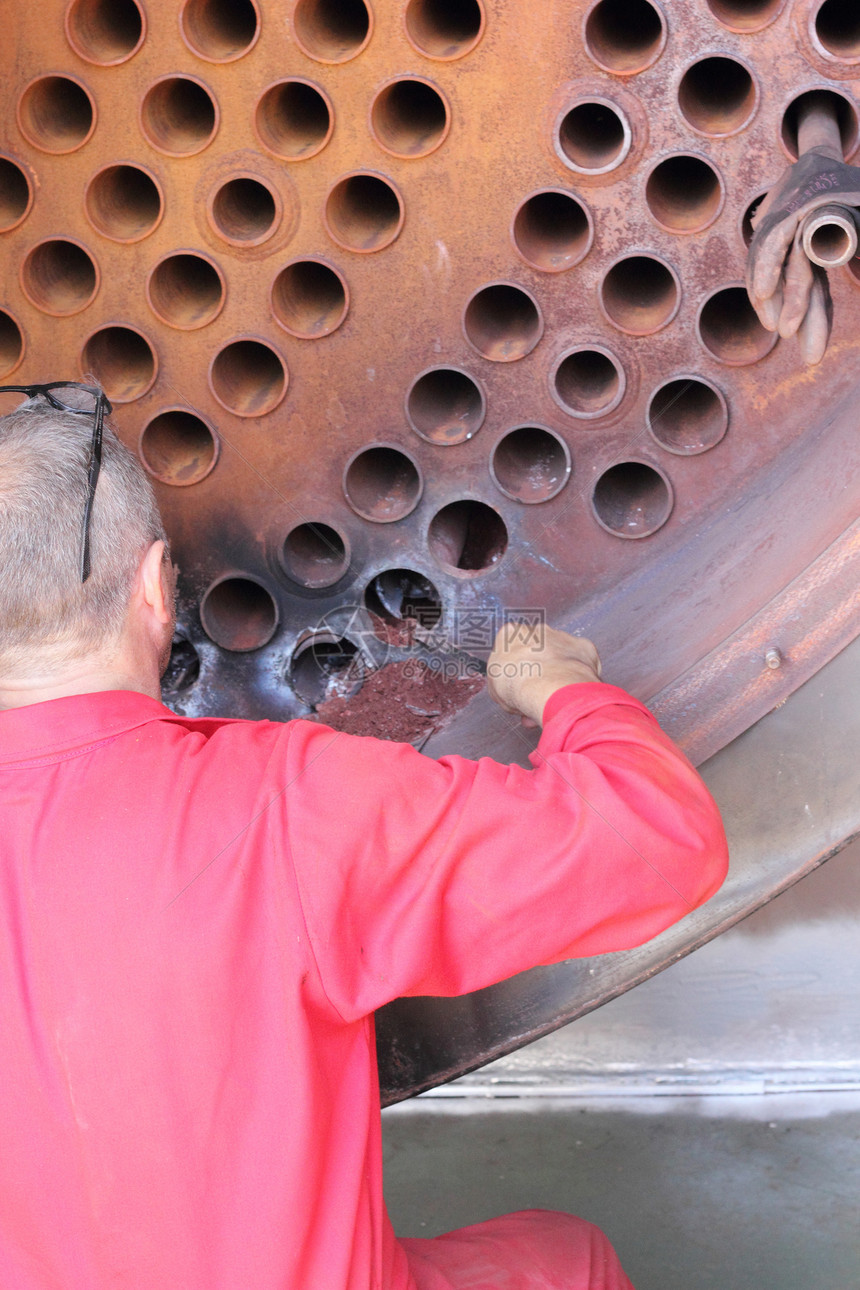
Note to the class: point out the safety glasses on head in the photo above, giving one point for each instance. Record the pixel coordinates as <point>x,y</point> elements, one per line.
<point>83,401</point>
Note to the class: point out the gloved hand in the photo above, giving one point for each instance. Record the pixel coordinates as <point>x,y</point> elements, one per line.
<point>787,291</point>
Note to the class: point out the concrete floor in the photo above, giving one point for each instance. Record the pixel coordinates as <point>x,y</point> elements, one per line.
<point>714,1193</point>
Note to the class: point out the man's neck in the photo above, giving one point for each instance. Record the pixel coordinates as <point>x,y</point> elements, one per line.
<point>86,680</point>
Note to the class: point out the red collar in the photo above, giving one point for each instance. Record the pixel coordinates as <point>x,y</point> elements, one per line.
<point>62,725</point>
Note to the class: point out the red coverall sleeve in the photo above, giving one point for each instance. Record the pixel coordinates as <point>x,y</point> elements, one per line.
<point>440,877</point>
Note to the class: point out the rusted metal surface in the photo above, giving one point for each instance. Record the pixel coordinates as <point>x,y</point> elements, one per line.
<point>452,289</point>
<point>437,287</point>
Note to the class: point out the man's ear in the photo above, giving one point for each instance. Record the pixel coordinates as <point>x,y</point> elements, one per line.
<point>153,587</point>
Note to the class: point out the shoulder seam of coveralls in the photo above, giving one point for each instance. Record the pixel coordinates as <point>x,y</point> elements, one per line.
<point>53,758</point>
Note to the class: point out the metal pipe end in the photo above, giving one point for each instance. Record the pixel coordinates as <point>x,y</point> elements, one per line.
<point>829,236</point>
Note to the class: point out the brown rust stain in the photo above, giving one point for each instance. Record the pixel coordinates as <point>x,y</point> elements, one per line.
<point>348,389</point>
<point>405,701</point>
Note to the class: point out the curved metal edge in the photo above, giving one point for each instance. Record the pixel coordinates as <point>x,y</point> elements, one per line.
<point>789,791</point>
<point>802,628</point>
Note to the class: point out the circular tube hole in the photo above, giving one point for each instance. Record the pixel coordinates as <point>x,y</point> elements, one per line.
<point>467,536</point>
<point>248,378</point>
<point>747,230</point>
<point>745,15</point>
<point>624,36</point>
<point>530,464</point>
<point>11,343</point>
<point>332,31</point>
<point>730,330</point>
<point>640,294</point>
<point>444,29</point>
<point>239,614</point>
<point>124,203</point>
<point>588,382</point>
<point>364,213</point>
<point>837,30</point>
<point>717,96</point>
<point>593,137</point>
<point>294,119</point>
<point>445,405</point>
<point>315,555</point>
<point>104,31</point>
<point>687,415</point>
<point>59,277</point>
<point>179,116</point>
<point>632,499</point>
<point>325,666</point>
<point>16,195</point>
<point>244,211</point>
<point>178,447</point>
<point>309,299</point>
<point>846,115</point>
<point>502,322</point>
<point>56,114</point>
<point>399,601</point>
<point>122,361</point>
<point>186,291</point>
<point>220,30</point>
<point>409,118</point>
<point>382,484</point>
<point>684,194</point>
<point>183,667</point>
<point>552,231</point>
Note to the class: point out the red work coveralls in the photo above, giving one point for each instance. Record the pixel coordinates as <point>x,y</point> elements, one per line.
<point>200,918</point>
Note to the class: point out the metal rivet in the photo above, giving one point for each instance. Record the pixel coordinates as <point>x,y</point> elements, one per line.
<point>773,658</point>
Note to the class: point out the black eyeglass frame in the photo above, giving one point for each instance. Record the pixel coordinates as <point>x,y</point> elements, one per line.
<point>103,405</point>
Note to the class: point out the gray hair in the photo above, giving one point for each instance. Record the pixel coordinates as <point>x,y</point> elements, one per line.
<point>48,617</point>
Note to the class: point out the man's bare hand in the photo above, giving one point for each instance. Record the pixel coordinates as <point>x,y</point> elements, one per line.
<point>528,664</point>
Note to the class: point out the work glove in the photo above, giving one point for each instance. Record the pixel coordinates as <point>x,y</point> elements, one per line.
<point>787,291</point>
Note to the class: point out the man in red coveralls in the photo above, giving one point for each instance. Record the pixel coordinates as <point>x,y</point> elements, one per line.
<point>201,916</point>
